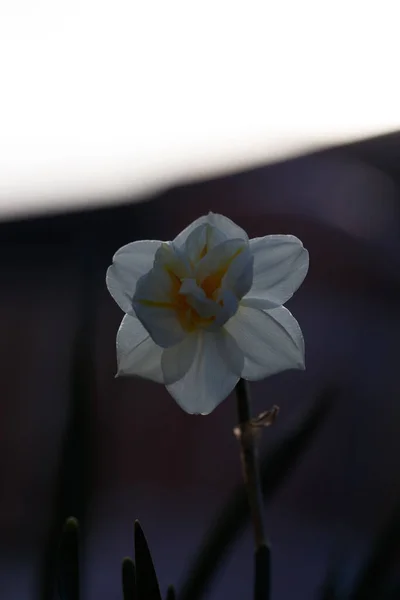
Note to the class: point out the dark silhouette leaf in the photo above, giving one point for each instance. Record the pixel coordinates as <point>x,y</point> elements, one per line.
<point>262,573</point>
<point>129,579</point>
<point>233,517</point>
<point>68,559</point>
<point>171,593</point>
<point>74,473</point>
<point>146,578</point>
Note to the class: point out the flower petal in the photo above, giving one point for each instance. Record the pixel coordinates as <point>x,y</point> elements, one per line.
<point>271,341</point>
<point>157,286</point>
<point>200,241</point>
<point>137,354</point>
<point>222,309</point>
<point>227,308</point>
<point>172,259</point>
<point>154,305</point>
<point>228,227</point>
<point>129,264</point>
<point>221,228</point>
<point>229,349</point>
<point>176,360</point>
<point>239,276</point>
<point>211,376</point>
<point>217,261</point>
<point>197,299</point>
<point>280,266</point>
<point>162,323</point>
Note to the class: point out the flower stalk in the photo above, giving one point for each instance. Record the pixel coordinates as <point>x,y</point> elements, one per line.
<point>247,432</point>
<point>249,458</point>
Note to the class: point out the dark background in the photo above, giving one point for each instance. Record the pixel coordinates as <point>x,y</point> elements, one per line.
<point>142,456</point>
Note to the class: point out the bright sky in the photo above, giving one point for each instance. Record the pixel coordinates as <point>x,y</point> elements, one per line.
<point>101,99</point>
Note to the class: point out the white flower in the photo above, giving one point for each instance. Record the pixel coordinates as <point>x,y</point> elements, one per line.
<point>206,309</point>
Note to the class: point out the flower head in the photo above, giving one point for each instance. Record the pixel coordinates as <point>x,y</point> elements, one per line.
<point>206,309</point>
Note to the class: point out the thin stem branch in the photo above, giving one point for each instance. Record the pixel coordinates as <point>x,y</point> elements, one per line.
<point>249,457</point>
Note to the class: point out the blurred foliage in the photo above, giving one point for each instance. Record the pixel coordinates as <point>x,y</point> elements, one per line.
<point>372,581</point>
<point>171,593</point>
<point>74,477</point>
<point>68,562</point>
<point>381,560</point>
<point>139,579</point>
<point>262,573</point>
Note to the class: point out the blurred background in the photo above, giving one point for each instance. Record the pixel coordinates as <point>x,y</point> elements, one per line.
<point>133,453</point>
<point>121,122</point>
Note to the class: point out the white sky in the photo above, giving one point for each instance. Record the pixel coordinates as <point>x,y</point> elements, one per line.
<point>100,99</point>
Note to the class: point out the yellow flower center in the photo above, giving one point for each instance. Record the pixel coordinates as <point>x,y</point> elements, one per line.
<point>188,316</point>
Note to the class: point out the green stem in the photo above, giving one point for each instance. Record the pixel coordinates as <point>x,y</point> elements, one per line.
<point>249,457</point>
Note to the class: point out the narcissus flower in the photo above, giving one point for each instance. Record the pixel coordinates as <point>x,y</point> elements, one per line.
<point>206,309</point>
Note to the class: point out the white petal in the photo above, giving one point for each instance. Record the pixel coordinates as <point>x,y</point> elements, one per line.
<point>225,307</point>
<point>137,354</point>
<point>154,306</point>
<point>219,258</point>
<point>156,286</point>
<point>195,242</point>
<point>271,341</point>
<point>284,317</point>
<point>201,240</point>
<point>129,264</point>
<point>226,310</point>
<point>198,226</point>
<point>162,323</point>
<point>175,260</point>
<point>228,227</point>
<point>176,361</point>
<point>211,376</point>
<point>280,266</point>
<point>261,301</point>
<point>197,299</point>
<point>224,229</point>
<point>239,276</point>
<point>229,349</point>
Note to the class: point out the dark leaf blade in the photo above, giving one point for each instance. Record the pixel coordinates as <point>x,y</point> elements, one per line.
<point>68,561</point>
<point>129,579</point>
<point>373,575</point>
<point>146,578</point>
<point>262,573</point>
<point>171,593</point>
<point>73,485</point>
<point>232,519</point>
